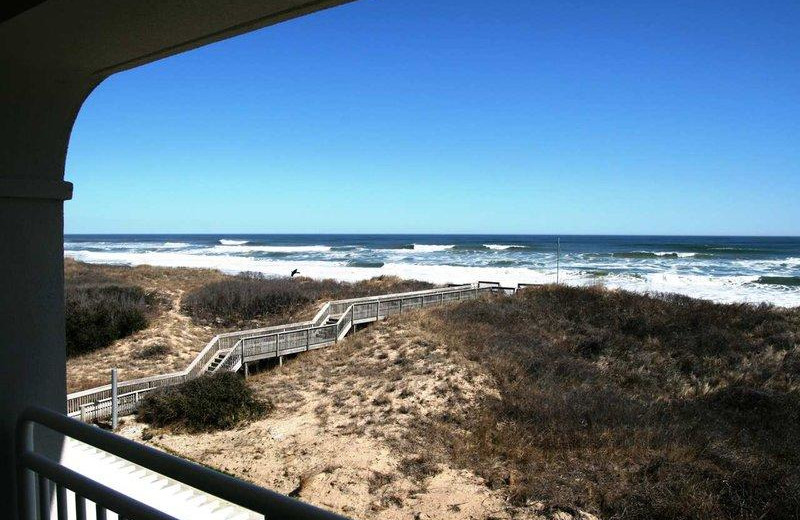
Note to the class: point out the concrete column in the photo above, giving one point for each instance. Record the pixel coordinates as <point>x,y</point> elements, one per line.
<point>51,56</point>
<point>52,53</point>
<point>36,115</point>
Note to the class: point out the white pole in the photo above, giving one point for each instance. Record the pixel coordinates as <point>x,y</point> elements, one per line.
<point>114,404</point>
<point>558,259</point>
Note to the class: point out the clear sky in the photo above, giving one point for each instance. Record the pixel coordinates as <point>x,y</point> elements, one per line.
<point>393,116</point>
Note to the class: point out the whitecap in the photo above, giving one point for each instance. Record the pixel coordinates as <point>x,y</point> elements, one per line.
<point>502,247</point>
<point>432,248</point>
<point>679,254</point>
<point>270,249</point>
<point>228,242</point>
<point>726,289</point>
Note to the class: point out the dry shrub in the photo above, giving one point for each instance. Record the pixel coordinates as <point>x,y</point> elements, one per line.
<point>216,402</point>
<point>633,406</point>
<point>154,350</point>
<point>241,298</point>
<point>418,467</point>
<point>98,315</point>
<point>378,481</point>
<point>252,296</point>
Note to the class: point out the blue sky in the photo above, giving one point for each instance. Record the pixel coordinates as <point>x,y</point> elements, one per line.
<point>390,116</point>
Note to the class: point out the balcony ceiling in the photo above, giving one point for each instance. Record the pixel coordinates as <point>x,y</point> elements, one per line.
<point>105,36</point>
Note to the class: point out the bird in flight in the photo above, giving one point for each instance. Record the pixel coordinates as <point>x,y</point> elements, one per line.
<point>294,272</point>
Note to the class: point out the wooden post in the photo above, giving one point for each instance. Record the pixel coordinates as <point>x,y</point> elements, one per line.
<point>83,412</point>
<point>114,403</point>
<point>280,361</point>
<point>246,370</point>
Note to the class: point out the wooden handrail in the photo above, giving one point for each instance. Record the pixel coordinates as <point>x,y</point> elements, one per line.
<point>198,366</point>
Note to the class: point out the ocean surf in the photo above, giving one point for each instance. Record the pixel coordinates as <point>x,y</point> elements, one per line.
<point>722,269</point>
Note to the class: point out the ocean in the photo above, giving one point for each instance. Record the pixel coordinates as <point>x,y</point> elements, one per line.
<point>723,269</point>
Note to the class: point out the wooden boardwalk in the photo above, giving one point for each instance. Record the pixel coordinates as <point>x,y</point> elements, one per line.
<point>231,351</point>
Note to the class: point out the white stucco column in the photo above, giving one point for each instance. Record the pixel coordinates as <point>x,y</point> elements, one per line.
<point>36,115</point>
<point>52,53</point>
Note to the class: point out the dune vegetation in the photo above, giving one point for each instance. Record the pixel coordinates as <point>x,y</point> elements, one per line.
<point>631,406</point>
<point>99,310</point>
<point>239,300</point>
<point>207,403</point>
<point>552,403</point>
<point>557,400</point>
<point>147,320</point>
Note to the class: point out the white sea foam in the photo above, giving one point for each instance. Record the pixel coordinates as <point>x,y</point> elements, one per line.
<point>228,242</point>
<point>109,246</point>
<point>739,288</point>
<point>502,247</point>
<point>270,249</point>
<point>432,248</point>
<point>679,254</point>
<point>100,245</point>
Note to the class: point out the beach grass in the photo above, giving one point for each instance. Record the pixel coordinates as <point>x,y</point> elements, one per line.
<point>632,406</point>
<point>239,301</point>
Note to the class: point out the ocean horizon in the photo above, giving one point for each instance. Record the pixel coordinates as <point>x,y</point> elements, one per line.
<point>724,269</point>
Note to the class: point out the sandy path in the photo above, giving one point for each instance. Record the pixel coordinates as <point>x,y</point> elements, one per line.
<point>170,341</point>
<point>343,435</point>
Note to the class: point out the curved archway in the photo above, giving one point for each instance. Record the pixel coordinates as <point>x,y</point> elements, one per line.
<point>53,54</point>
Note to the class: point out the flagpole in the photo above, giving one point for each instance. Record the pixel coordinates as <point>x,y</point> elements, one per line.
<point>558,260</point>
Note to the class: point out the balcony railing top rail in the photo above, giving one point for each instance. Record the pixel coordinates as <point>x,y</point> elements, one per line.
<point>38,475</point>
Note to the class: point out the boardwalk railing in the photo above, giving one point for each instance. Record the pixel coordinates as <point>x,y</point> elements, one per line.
<point>233,349</point>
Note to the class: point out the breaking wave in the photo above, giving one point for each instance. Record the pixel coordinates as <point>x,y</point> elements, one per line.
<point>698,270</point>
<point>270,249</point>
<point>359,263</point>
<point>432,248</point>
<point>503,247</point>
<point>788,281</point>
<point>653,254</point>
